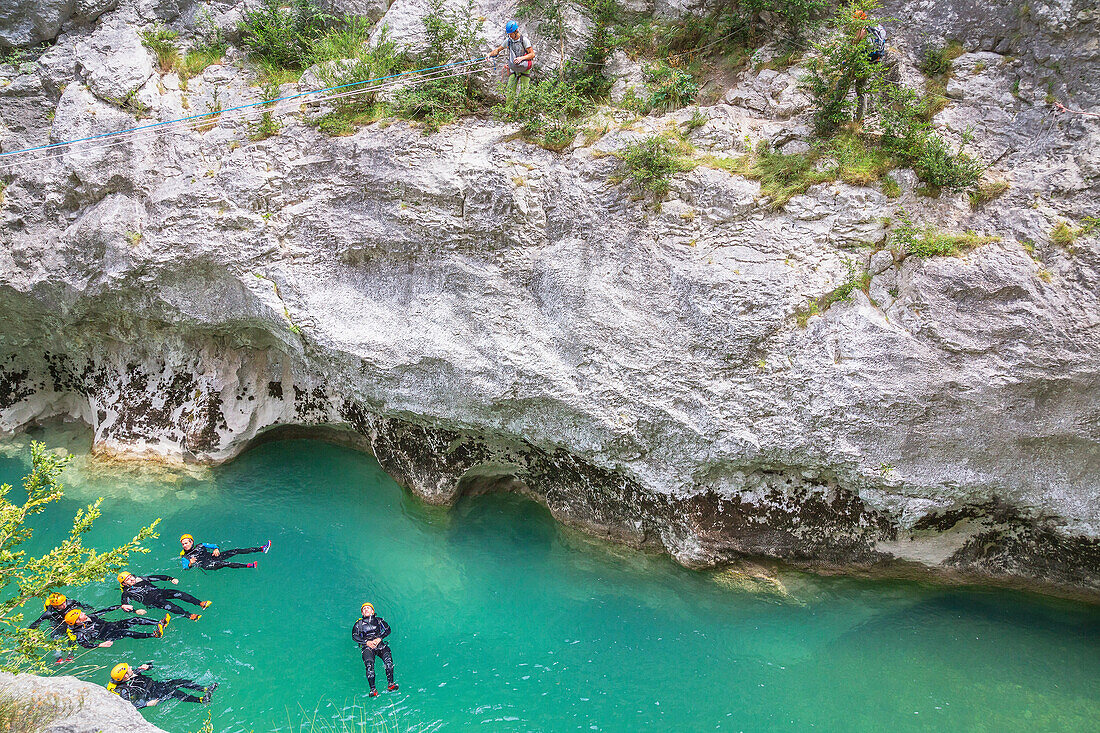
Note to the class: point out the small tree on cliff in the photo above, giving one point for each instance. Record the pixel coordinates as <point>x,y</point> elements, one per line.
<point>24,578</point>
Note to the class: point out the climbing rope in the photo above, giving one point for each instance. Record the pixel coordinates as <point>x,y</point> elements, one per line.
<point>211,119</point>
<point>205,119</point>
<point>1064,108</point>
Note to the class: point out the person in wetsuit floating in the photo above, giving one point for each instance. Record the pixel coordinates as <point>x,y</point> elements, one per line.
<point>210,557</point>
<point>56,606</point>
<point>144,691</point>
<point>142,590</point>
<point>370,634</point>
<point>89,630</point>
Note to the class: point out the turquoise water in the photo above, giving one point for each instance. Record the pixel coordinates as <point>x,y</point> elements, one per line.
<point>505,621</point>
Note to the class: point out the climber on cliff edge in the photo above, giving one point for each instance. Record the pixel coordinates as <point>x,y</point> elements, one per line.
<point>521,57</point>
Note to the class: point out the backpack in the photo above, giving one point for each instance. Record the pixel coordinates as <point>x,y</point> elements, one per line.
<point>877,36</point>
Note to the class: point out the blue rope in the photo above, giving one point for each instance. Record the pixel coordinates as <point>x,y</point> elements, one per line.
<point>233,109</point>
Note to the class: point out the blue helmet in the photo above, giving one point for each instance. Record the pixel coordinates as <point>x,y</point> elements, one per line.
<point>511,27</point>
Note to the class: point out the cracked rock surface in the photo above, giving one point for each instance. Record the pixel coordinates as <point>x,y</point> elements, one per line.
<point>484,314</point>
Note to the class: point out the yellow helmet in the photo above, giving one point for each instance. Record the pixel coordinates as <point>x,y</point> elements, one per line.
<point>55,599</point>
<point>186,537</point>
<point>366,605</point>
<point>72,616</point>
<point>119,671</point>
<point>123,576</point>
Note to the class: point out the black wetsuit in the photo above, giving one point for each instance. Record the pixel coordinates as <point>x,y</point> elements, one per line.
<point>150,596</point>
<point>56,616</point>
<point>203,555</point>
<point>96,630</point>
<point>141,690</point>
<point>366,629</point>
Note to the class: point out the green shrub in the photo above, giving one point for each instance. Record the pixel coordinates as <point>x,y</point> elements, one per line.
<point>452,35</point>
<point>670,87</point>
<point>651,163</point>
<point>587,75</point>
<point>939,166</point>
<point>937,61</point>
<point>986,192</point>
<point>283,36</point>
<point>162,42</point>
<point>842,65</point>
<point>1064,234</point>
<point>549,111</point>
<point>908,239</point>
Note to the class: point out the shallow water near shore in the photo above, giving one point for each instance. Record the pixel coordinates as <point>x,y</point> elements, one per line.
<point>504,620</point>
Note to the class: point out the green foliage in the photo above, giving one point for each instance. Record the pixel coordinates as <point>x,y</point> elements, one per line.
<point>282,36</point>
<point>197,59</point>
<point>908,138</point>
<point>908,239</point>
<point>670,87</point>
<point>452,35</point>
<point>24,578</point>
<point>162,42</point>
<point>549,111</point>
<point>30,714</point>
<point>986,191</point>
<point>587,76</point>
<point>843,64</point>
<point>343,58</point>
<point>268,126</point>
<point>1064,234</point>
<point>697,120</point>
<point>890,187</point>
<point>856,279</point>
<point>651,163</point>
<point>937,61</point>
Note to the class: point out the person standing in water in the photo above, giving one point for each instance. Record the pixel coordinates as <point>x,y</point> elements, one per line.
<point>210,557</point>
<point>521,57</point>
<point>370,634</point>
<point>144,691</point>
<point>142,590</point>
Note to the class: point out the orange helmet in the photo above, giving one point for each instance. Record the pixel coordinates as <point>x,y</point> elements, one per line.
<point>123,576</point>
<point>186,537</point>
<point>367,605</point>
<point>73,616</point>
<point>56,600</point>
<point>119,672</point>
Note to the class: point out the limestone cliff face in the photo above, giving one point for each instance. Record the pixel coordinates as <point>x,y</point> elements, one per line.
<point>480,313</point>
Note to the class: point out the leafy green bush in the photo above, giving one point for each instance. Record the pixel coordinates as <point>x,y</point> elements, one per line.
<point>651,163</point>
<point>587,76</point>
<point>909,239</point>
<point>670,87</point>
<point>452,35</point>
<point>26,577</point>
<point>936,61</point>
<point>162,42</point>
<point>283,36</point>
<point>937,165</point>
<point>842,65</point>
<point>549,111</point>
